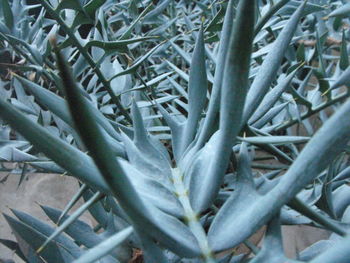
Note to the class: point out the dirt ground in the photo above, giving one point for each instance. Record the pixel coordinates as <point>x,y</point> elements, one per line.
<point>45,189</point>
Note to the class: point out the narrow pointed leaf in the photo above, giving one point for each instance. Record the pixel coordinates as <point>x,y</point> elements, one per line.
<point>214,102</point>
<point>234,90</point>
<point>269,115</point>
<point>58,106</point>
<point>7,13</point>
<point>137,63</point>
<point>65,155</point>
<point>73,201</point>
<point>272,246</point>
<point>343,79</point>
<point>272,96</point>
<point>277,140</point>
<point>104,247</point>
<point>81,232</point>
<point>139,213</point>
<point>319,218</point>
<point>325,145</point>
<point>197,91</point>
<point>339,253</point>
<point>271,64</point>
<point>176,132</point>
<point>34,238</point>
<point>344,57</point>
<point>343,10</point>
<point>116,45</point>
<point>69,220</point>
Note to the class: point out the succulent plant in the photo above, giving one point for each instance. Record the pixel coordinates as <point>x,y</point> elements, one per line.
<point>189,124</point>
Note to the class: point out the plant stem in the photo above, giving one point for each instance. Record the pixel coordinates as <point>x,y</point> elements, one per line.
<point>87,57</point>
<point>312,111</point>
<point>191,217</point>
<point>262,21</point>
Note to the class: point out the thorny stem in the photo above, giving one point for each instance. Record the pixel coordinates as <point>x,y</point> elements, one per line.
<point>26,56</point>
<point>87,57</point>
<point>191,217</point>
<point>273,9</point>
<point>312,111</point>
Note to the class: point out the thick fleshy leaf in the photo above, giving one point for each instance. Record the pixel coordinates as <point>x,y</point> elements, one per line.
<point>196,171</point>
<point>47,166</point>
<point>57,105</point>
<point>270,114</point>
<point>78,230</point>
<point>73,201</point>
<point>119,45</point>
<point>343,79</point>
<point>176,132</point>
<point>341,200</point>
<point>14,246</point>
<point>315,249</point>
<point>272,246</point>
<point>270,66</point>
<point>69,220</point>
<point>277,140</point>
<point>197,91</point>
<point>140,214</point>
<point>337,253</point>
<point>234,90</point>
<point>157,11</point>
<point>344,57</point>
<point>104,247</point>
<point>325,203</point>
<point>344,174</point>
<point>143,161</point>
<point>214,102</point>
<point>7,13</point>
<point>316,216</point>
<point>272,10</point>
<point>145,145</point>
<point>35,232</point>
<point>272,96</point>
<point>244,194</point>
<point>130,28</point>
<point>65,155</point>
<point>153,191</point>
<point>317,154</point>
<point>137,63</point>
<point>343,10</point>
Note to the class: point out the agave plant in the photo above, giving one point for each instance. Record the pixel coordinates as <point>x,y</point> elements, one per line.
<point>183,123</point>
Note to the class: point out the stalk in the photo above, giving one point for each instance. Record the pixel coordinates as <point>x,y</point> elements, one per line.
<point>191,217</point>
<point>87,57</point>
<point>311,112</point>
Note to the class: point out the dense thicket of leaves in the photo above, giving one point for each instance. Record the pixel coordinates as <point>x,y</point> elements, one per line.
<point>190,125</point>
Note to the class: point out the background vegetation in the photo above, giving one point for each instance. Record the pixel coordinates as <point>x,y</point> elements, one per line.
<point>190,125</point>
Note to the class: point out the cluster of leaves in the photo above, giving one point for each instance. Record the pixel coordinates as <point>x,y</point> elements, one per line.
<point>190,125</point>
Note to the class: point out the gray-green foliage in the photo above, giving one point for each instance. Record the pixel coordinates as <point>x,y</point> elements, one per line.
<point>190,125</point>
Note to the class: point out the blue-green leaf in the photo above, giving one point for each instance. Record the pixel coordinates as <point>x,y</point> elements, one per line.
<point>271,64</point>
<point>214,102</point>
<point>325,145</point>
<point>197,91</point>
<point>104,247</point>
<point>272,96</point>
<point>7,13</point>
<point>233,94</point>
<point>337,253</point>
<point>140,214</point>
<point>343,10</point>
<point>69,220</point>
<point>65,155</point>
<point>277,140</point>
